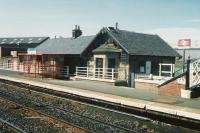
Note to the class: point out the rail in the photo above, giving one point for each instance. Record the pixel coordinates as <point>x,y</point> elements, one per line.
<point>173,119</point>
<point>61,109</point>
<point>12,127</point>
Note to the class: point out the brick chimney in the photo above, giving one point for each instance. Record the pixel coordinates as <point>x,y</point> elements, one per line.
<point>76,32</point>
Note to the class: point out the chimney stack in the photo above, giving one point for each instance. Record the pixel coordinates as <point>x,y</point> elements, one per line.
<point>76,32</point>
<point>116,25</point>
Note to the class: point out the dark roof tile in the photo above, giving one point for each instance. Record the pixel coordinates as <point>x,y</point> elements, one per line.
<point>142,44</point>
<point>65,45</point>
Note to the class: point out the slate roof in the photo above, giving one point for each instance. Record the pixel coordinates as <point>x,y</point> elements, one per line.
<point>142,44</point>
<point>22,42</point>
<point>65,45</point>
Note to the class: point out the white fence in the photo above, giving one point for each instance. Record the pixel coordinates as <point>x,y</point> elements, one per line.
<point>100,74</point>
<point>9,66</point>
<point>195,73</point>
<point>65,71</point>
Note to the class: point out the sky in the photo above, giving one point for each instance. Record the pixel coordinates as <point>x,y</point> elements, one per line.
<point>170,19</point>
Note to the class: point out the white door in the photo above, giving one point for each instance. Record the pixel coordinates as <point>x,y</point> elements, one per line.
<point>148,67</point>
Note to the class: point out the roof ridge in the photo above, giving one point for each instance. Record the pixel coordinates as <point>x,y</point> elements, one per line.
<point>138,32</point>
<point>72,37</point>
<point>23,37</point>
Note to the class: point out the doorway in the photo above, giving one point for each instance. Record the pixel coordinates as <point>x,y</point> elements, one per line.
<point>99,68</point>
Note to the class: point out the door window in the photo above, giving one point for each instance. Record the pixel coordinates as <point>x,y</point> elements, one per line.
<point>99,62</point>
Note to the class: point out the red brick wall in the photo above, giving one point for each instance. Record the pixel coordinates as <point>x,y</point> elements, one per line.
<point>172,89</point>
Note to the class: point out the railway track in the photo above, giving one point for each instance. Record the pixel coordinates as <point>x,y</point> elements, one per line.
<point>121,126</point>
<point>34,121</point>
<point>8,127</point>
<point>92,124</point>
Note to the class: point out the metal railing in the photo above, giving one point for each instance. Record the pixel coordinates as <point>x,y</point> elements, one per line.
<point>54,71</point>
<point>9,66</point>
<point>101,74</point>
<point>36,69</point>
<point>194,73</point>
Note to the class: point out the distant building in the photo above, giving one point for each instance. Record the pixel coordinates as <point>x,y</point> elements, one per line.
<point>19,44</point>
<point>194,53</point>
<point>10,47</point>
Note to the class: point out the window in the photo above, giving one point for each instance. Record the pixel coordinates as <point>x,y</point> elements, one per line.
<point>124,58</point>
<point>99,62</point>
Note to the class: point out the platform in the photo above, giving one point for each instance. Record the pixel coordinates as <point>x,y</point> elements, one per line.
<point>128,96</point>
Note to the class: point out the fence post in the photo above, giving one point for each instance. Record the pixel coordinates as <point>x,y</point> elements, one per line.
<point>87,72</point>
<point>187,82</point>
<point>76,71</point>
<point>98,72</point>
<point>160,69</point>
<point>171,70</point>
<point>112,73</point>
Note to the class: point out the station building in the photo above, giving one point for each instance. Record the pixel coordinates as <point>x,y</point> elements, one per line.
<point>112,55</point>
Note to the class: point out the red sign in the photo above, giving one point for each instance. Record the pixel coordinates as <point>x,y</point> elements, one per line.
<point>184,43</point>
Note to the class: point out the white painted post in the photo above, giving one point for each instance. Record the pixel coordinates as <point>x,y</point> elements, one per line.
<point>76,71</point>
<point>93,73</point>
<point>103,72</point>
<point>98,72</point>
<point>87,72</point>
<point>171,69</point>
<point>160,69</point>
<point>191,74</point>
<point>112,74</point>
